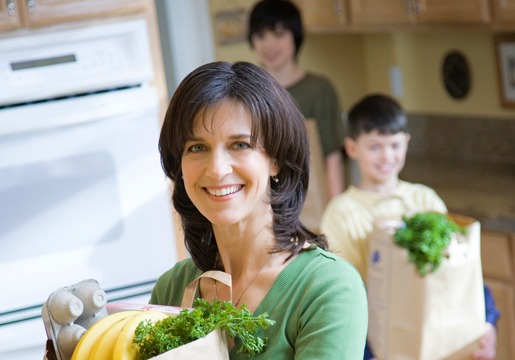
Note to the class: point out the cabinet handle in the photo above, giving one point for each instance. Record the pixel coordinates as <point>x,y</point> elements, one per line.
<point>31,4</point>
<point>337,7</point>
<point>407,6</point>
<point>417,7</point>
<point>11,7</point>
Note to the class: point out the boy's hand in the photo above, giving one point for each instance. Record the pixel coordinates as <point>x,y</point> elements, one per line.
<point>488,344</point>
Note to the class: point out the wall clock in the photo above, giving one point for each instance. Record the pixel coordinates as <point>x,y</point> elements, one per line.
<point>456,74</point>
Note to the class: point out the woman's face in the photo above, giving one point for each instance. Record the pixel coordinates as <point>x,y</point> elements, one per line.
<point>225,177</point>
<point>274,48</point>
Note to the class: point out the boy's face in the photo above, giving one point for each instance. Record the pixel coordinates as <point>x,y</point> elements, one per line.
<point>380,157</point>
<point>274,48</point>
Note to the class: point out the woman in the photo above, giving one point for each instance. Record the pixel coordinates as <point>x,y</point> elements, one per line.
<point>236,148</point>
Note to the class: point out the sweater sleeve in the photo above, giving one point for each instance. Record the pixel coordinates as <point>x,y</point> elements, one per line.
<point>333,317</point>
<point>491,311</point>
<point>343,233</point>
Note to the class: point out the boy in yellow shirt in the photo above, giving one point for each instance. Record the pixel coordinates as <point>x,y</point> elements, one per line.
<point>378,141</point>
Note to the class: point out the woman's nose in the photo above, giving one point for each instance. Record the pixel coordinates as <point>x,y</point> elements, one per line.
<point>219,165</point>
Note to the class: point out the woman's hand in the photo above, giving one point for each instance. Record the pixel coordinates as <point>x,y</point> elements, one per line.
<point>488,344</point>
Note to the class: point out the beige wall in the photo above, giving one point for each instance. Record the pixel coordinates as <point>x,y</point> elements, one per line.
<point>358,64</point>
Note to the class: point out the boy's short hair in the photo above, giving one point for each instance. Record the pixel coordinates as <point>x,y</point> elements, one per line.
<point>376,112</point>
<point>269,14</point>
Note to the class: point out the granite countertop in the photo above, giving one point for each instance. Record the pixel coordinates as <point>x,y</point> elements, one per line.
<point>485,191</point>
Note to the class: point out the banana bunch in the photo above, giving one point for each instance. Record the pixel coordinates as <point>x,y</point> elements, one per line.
<point>111,337</point>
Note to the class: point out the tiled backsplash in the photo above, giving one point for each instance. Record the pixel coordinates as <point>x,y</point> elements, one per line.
<point>478,139</point>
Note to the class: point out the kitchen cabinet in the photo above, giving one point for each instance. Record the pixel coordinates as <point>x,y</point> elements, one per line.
<point>323,14</point>
<point>382,12</point>
<point>44,12</point>
<point>395,12</point>
<point>504,11</point>
<point>9,15</point>
<point>497,254</point>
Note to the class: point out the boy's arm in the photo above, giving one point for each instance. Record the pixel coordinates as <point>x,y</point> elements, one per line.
<point>334,173</point>
<point>343,234</point>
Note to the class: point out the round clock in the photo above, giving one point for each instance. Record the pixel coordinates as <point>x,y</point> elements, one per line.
<point>456,74</point>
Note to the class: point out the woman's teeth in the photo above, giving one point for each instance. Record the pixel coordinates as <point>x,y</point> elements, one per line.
<point>224,191</point>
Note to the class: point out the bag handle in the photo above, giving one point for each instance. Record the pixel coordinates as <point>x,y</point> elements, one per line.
<point>191,289</point>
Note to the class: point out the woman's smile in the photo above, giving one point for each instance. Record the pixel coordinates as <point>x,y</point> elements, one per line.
<point>223,192</point>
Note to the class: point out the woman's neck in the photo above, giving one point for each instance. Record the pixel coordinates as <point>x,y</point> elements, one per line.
<point>244,247</point>
<point>287,75</point>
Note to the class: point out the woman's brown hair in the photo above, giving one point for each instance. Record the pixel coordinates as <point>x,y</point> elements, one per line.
<point>276,123</point>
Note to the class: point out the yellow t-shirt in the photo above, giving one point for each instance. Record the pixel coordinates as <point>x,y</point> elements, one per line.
<point>347,219</point>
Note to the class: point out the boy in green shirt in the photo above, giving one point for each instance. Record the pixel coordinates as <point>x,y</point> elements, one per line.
<point>378,141</point>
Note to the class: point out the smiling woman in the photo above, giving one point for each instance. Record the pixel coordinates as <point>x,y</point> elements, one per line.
<point>236,148</point>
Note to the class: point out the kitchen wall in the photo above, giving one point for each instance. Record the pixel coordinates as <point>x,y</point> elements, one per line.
<point>359,63</point>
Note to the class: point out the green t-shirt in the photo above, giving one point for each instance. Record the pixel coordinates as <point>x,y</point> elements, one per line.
<point>317,99</point>
<point>318,302</point>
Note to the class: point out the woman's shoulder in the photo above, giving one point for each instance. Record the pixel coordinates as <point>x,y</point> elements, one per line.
<point>184,268</point>
<point>171,284</point>
<point>327,267</point>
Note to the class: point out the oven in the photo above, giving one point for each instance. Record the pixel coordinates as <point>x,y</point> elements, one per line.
<point>82,192</point>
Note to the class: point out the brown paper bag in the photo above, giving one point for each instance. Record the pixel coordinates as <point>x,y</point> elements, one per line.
<point>214,345</point>
<point>438,316</point>
<point>317,197</point>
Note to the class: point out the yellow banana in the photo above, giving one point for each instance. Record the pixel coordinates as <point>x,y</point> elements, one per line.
<point>125,349</point>
<point>83,349</point>
<point>103,349</point>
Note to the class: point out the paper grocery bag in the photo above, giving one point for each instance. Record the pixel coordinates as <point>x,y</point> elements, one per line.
<point>211,347</point>
<point>317,197</point>
<point>437,316</point>
<point>214,345</point>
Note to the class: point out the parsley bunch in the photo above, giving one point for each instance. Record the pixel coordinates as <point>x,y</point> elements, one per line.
<point>425,236</point>
<point>172,332</point>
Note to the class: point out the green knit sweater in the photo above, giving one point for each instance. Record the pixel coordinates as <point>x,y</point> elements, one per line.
<point>318,302</point>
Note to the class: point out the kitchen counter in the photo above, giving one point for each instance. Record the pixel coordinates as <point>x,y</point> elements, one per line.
<point>484,191</point>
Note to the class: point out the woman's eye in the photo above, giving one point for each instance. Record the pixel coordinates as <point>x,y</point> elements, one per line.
<point>396,145</point>
<point>241,146</point>
<point>196,148</point>
<point>374,147</point>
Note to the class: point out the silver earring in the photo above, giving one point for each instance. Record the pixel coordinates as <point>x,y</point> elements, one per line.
<point>275,178</point>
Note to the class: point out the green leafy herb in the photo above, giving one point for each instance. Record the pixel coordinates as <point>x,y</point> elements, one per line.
<point>172,332</point>
<point>425,236</point>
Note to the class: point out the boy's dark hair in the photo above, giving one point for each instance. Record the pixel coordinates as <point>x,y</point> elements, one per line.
<point>269,14</point>
<point>276,123</point>
<point>376,112</point>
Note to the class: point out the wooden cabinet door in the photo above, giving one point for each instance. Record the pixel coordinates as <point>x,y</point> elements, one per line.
<point>9,15</point>
<point>382,12</point>
<point>504,11</point>
<point>505,302</point>
<point>42,12</point>
<point>323,13</point>
<point>496,255</point>
<point>453,11</point>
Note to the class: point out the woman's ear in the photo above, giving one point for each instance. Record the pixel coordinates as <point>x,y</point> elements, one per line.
<point>350,147</point>
<point>274,168</point>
